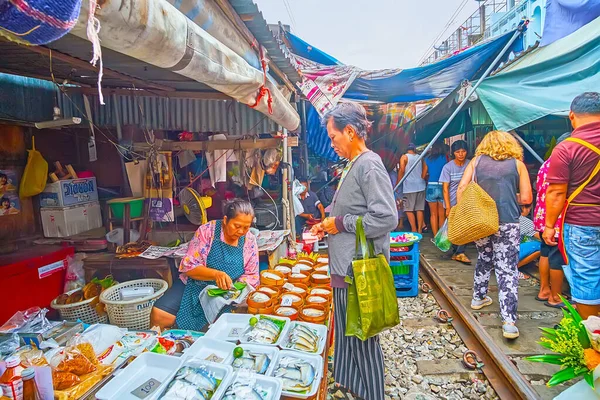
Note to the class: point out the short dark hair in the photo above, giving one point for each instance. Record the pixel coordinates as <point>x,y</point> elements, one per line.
<point>586,103</point>
<point>3,175</point>
<point>350,113</point>
<point>232,208</point>
<point>459,145</point>
<point>2,200</point>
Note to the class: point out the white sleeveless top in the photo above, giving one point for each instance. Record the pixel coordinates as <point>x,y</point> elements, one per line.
<point>414,182</point>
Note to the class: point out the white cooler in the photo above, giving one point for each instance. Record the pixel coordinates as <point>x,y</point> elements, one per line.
<point>71,220</point>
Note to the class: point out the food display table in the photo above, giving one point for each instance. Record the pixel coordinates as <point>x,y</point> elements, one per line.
<point>124,269</point>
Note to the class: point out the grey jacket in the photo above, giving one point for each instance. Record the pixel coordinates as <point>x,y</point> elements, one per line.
<point>366,191</point>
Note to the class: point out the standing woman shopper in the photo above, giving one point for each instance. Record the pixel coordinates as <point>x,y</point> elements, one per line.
<point>499,170</point>
<point>450,177</point>
<point>434,163</point>
<point>364,191</point>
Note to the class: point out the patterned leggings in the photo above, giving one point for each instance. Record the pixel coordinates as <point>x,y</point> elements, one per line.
<point>499,252</point>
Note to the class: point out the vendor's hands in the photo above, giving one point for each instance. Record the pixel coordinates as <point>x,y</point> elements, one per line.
<point>223,280</point>
<point>329,226</point>
<point>548,236</point>
<point>318,231</point>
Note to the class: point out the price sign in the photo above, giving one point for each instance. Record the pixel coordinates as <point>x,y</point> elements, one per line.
<point>146,388</point>
<point>286,301</point>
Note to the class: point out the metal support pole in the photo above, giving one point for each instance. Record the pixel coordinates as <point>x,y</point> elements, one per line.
<point>285,186</point>
<point>518,33</point>
<point>527,146</point>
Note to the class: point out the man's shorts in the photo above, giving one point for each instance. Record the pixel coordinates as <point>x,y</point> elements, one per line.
<point>435,192</point>
<point>414,201</point>
<point>582,244</point>
<point>555,259</point>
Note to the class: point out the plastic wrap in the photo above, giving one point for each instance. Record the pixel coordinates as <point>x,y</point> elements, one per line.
<point>9,346</point>
<point>32,320</point>
<point>75,276</point>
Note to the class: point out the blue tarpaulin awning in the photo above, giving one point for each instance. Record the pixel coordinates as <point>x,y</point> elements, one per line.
<point>545,81</point>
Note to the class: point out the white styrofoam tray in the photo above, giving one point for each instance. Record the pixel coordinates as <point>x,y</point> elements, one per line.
<point>205,348</point>
<point>321,332</point>
<point>315,360</point>
<point>271,352</point>
<point>234,327</point>
<point>143,373</point>
<point>221,372</point>
<point>273,385</point>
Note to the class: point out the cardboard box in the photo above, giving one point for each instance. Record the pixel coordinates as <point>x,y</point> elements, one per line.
<point>72,220</point>
<point>69,192</point>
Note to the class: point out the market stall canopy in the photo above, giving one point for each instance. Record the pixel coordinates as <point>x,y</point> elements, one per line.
<point>544,81</point>
<point>324,85</point>
<point>303,49</point>
<point>564,17</point>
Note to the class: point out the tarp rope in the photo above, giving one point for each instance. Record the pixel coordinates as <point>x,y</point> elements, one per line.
<point>263,91</point>
<point>93,28</point>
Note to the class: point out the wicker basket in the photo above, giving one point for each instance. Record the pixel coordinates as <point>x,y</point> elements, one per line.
<point>132,314</point>
<point>79,311</point>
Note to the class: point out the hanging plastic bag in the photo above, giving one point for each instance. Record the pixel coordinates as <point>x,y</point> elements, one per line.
<point>35,174</point>
<point>372,306</point>
<point>441,239</point>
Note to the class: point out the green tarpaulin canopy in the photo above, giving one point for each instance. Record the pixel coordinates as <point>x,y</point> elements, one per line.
<point>545,81</point>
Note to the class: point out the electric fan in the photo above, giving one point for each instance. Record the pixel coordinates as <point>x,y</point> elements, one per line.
<point>194,206</point>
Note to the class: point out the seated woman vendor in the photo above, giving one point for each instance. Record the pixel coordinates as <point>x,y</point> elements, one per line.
<point>221,253</point>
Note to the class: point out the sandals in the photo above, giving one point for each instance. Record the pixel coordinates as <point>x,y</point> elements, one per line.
<point>462,258</point>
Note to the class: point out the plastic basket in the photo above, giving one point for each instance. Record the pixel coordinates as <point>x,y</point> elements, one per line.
<point>404,244</point>
<point>132,314</point>
<point>81,311</point>
<point>407,283</point>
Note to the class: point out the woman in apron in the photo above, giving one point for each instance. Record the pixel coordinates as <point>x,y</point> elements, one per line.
<point>221,253</point>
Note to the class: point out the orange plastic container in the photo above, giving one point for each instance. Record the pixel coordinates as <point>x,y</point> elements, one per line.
<point>309,314</point>
<point>271,277</point>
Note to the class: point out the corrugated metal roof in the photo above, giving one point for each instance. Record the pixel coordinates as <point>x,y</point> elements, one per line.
<point>256,23</point>
<point>32,100</point>
<point>173,114</point>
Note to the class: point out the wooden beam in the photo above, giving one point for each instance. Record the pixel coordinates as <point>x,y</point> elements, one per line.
<point>211,145</point>
<point>247,17</point>
<point>237,21</point>
<point>151,93</point>
<point>89,67</point>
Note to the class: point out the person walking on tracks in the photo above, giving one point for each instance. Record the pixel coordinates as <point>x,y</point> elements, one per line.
<point>364,191</point>
<point>499,170</point>
<point>413,188</point>
<point>574,191</point>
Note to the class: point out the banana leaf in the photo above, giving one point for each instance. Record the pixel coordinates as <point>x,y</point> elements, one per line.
<point>565,375</point>
<point>220,292</point>
<point>589,378</point>
<point>546,358</point>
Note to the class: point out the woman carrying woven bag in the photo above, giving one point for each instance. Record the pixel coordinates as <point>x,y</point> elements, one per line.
<point>500,172</point>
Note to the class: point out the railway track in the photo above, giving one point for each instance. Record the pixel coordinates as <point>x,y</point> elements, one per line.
<point>500,360</point>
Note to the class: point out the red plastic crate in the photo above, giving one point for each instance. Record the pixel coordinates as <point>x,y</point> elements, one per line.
<point>32,277</point>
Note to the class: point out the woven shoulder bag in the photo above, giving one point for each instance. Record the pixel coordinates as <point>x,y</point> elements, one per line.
<point>474,217</point>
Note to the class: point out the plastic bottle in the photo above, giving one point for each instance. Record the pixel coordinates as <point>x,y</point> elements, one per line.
<point>30,389</point>
<point>10,381</point>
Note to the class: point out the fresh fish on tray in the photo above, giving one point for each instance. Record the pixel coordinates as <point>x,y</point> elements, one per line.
<point>255,362</point>
<point>191,383</point>
<point>303,338</point>
<point>297,375</point>
<point>265,331</point>
<point>246,389</point>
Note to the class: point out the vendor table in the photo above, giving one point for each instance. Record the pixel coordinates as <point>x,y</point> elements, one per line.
<point>124,269</point>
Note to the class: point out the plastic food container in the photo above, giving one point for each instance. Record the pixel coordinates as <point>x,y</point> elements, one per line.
<point>287,288</point>
<point>273,385</point>
<point>315,360</point>
<point>269,351</point>
<point>313,299</point>
<point>263,310</point>
<point>222,373</point>
<point>322,290</point>
<point>146,376</point>
<point>275,291</point>
<point>271,277</point>
<point>235,327</point>
<point>321,331</point>
<point>285,269</point>
<point>306,260</point>
<point>296,299</point>
<point>213,350</point>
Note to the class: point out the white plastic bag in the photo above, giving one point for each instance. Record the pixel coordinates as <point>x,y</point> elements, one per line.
<point>74,278</point>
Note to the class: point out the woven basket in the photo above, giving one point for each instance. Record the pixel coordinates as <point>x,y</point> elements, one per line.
<point>474,217</point>
<point>132,314</point>
<point>79,311</point>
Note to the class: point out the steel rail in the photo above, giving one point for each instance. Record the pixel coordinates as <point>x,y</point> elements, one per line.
<point>503,375</point>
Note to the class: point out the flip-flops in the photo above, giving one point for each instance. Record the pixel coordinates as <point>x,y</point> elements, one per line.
<point>538,298</point>
<point>559,305</point>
